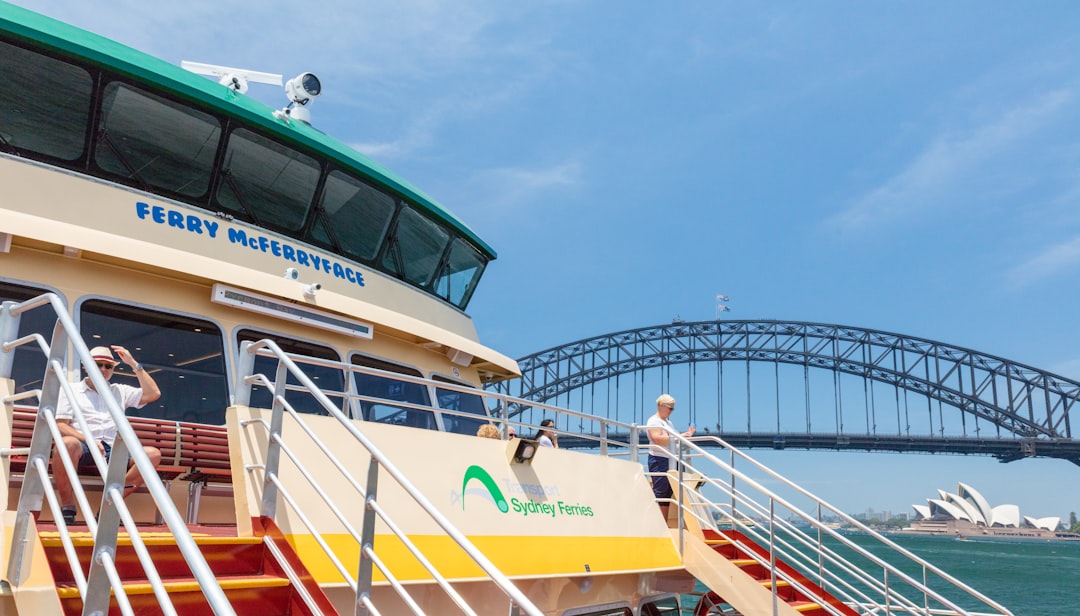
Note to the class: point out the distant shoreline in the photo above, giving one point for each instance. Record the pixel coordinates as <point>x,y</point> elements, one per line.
<point>962,529</point>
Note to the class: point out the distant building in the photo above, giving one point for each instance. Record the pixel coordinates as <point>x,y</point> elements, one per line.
<point>968,505</point>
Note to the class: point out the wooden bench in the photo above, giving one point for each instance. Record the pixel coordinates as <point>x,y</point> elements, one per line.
<point>196,453</point>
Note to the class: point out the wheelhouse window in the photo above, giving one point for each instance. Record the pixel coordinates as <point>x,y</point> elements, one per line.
<point>265,182</point>
<point>151,141</point>
<point>416,247</point>
<point>28,368</point>
<point>330,380</point>
<point>390,390</point>
<point>458,277</point>
<point>460,402</point>
<point>44,104</point>
<point>185,356</point>
<point>352,217</point>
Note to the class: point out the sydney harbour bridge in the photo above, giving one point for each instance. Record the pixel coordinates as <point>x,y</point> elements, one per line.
<point>788,384</point>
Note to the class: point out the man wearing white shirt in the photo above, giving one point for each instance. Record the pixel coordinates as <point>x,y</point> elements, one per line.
<point>100,423</point>
<point>659,442</point>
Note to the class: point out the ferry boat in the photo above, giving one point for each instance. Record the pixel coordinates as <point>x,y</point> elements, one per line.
<point>303,312</point>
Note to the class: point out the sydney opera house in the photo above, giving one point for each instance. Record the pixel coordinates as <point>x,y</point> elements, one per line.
<point>967,504</point>
<point>967,513</point>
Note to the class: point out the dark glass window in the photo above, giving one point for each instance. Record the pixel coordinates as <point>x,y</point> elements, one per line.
<point>352,217</point>
<point>156,142</point>
<point>392,390</point>
<point>28,367</point>
<point>415,248</point>
<point>329,380</point>
<point>463,403</point>
<point>265,182</point>
<point>44,104</point>
<point>184,355</point>
<point>460,274</point>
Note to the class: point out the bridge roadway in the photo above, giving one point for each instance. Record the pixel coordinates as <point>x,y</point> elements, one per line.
<point>1004,449</point>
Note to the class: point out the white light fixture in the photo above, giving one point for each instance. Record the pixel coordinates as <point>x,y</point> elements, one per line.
<point>301,90</point>
<point>522,450</point>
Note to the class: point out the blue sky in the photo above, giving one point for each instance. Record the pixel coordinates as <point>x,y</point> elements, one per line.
<point>914,169</point>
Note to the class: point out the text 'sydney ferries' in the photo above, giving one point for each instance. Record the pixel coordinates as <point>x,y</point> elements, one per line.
<point>176,219</point>
<point>529,505</point>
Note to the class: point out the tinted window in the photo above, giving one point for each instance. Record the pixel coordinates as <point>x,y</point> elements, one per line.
<point>29,362</point>
<point>156,142</point>
<point>461,402</point>
<point>44,104</point>
<point>460,274</point>
<point>416,247</point>
<point>184,355</point>
<point>328,379</point>
<point>352,217</point>
<point>390,390</point>
<point>265,182</point>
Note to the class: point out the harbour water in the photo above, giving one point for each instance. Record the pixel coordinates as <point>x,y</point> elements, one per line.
<point>1030,578</point>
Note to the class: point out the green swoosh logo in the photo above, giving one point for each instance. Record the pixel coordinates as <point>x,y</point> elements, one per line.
<point>475,472</point>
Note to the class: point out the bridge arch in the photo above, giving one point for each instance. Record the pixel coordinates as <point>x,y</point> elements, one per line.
<point>984,404</point>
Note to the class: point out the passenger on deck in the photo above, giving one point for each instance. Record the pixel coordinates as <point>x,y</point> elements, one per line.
<point>547,438</point>
<point>488,431</point>
<point>659,441</point>
<point>511,433</point>
<point>102,427</point>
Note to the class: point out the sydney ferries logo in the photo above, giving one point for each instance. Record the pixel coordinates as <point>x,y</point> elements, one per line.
<point>548,505</point>
<point>490,489</point>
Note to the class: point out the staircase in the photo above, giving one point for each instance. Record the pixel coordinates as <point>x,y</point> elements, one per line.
<point>253,580</point>
<point>738,549</point>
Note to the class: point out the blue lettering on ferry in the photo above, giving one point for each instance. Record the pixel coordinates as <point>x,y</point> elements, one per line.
<point>176,219</point>
<point>195,224</point>
<point>237,236</point>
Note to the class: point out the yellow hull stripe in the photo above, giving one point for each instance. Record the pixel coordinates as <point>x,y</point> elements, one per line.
<point>515,556</point>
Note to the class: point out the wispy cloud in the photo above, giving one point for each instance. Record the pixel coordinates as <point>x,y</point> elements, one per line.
<point>950,165</point>
<point>511,188</point>
<point>1051,261</point>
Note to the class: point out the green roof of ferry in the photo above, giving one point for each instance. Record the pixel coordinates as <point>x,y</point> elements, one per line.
<point>124,60</point>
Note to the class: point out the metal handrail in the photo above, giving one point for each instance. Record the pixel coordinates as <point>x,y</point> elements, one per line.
<point>36,485</point>
<point>287,367</point>
<point>689,449</point>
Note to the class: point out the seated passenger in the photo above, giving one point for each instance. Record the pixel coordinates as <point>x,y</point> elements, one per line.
<point>102,427</point>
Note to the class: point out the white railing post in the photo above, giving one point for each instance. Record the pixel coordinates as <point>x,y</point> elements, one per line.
<point>33,489</point>
<point>367,539</point>
<point>273,452</point>
<point>245,365</point>
<point>9,330</point>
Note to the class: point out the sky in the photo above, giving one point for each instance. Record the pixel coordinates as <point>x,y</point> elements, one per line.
<point>911,168</point>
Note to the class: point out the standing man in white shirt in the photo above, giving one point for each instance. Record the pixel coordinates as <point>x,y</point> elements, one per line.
<point>101,425</point>
<point>659,441</point>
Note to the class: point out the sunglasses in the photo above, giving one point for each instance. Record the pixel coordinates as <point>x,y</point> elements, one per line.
<point>105,365</point>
